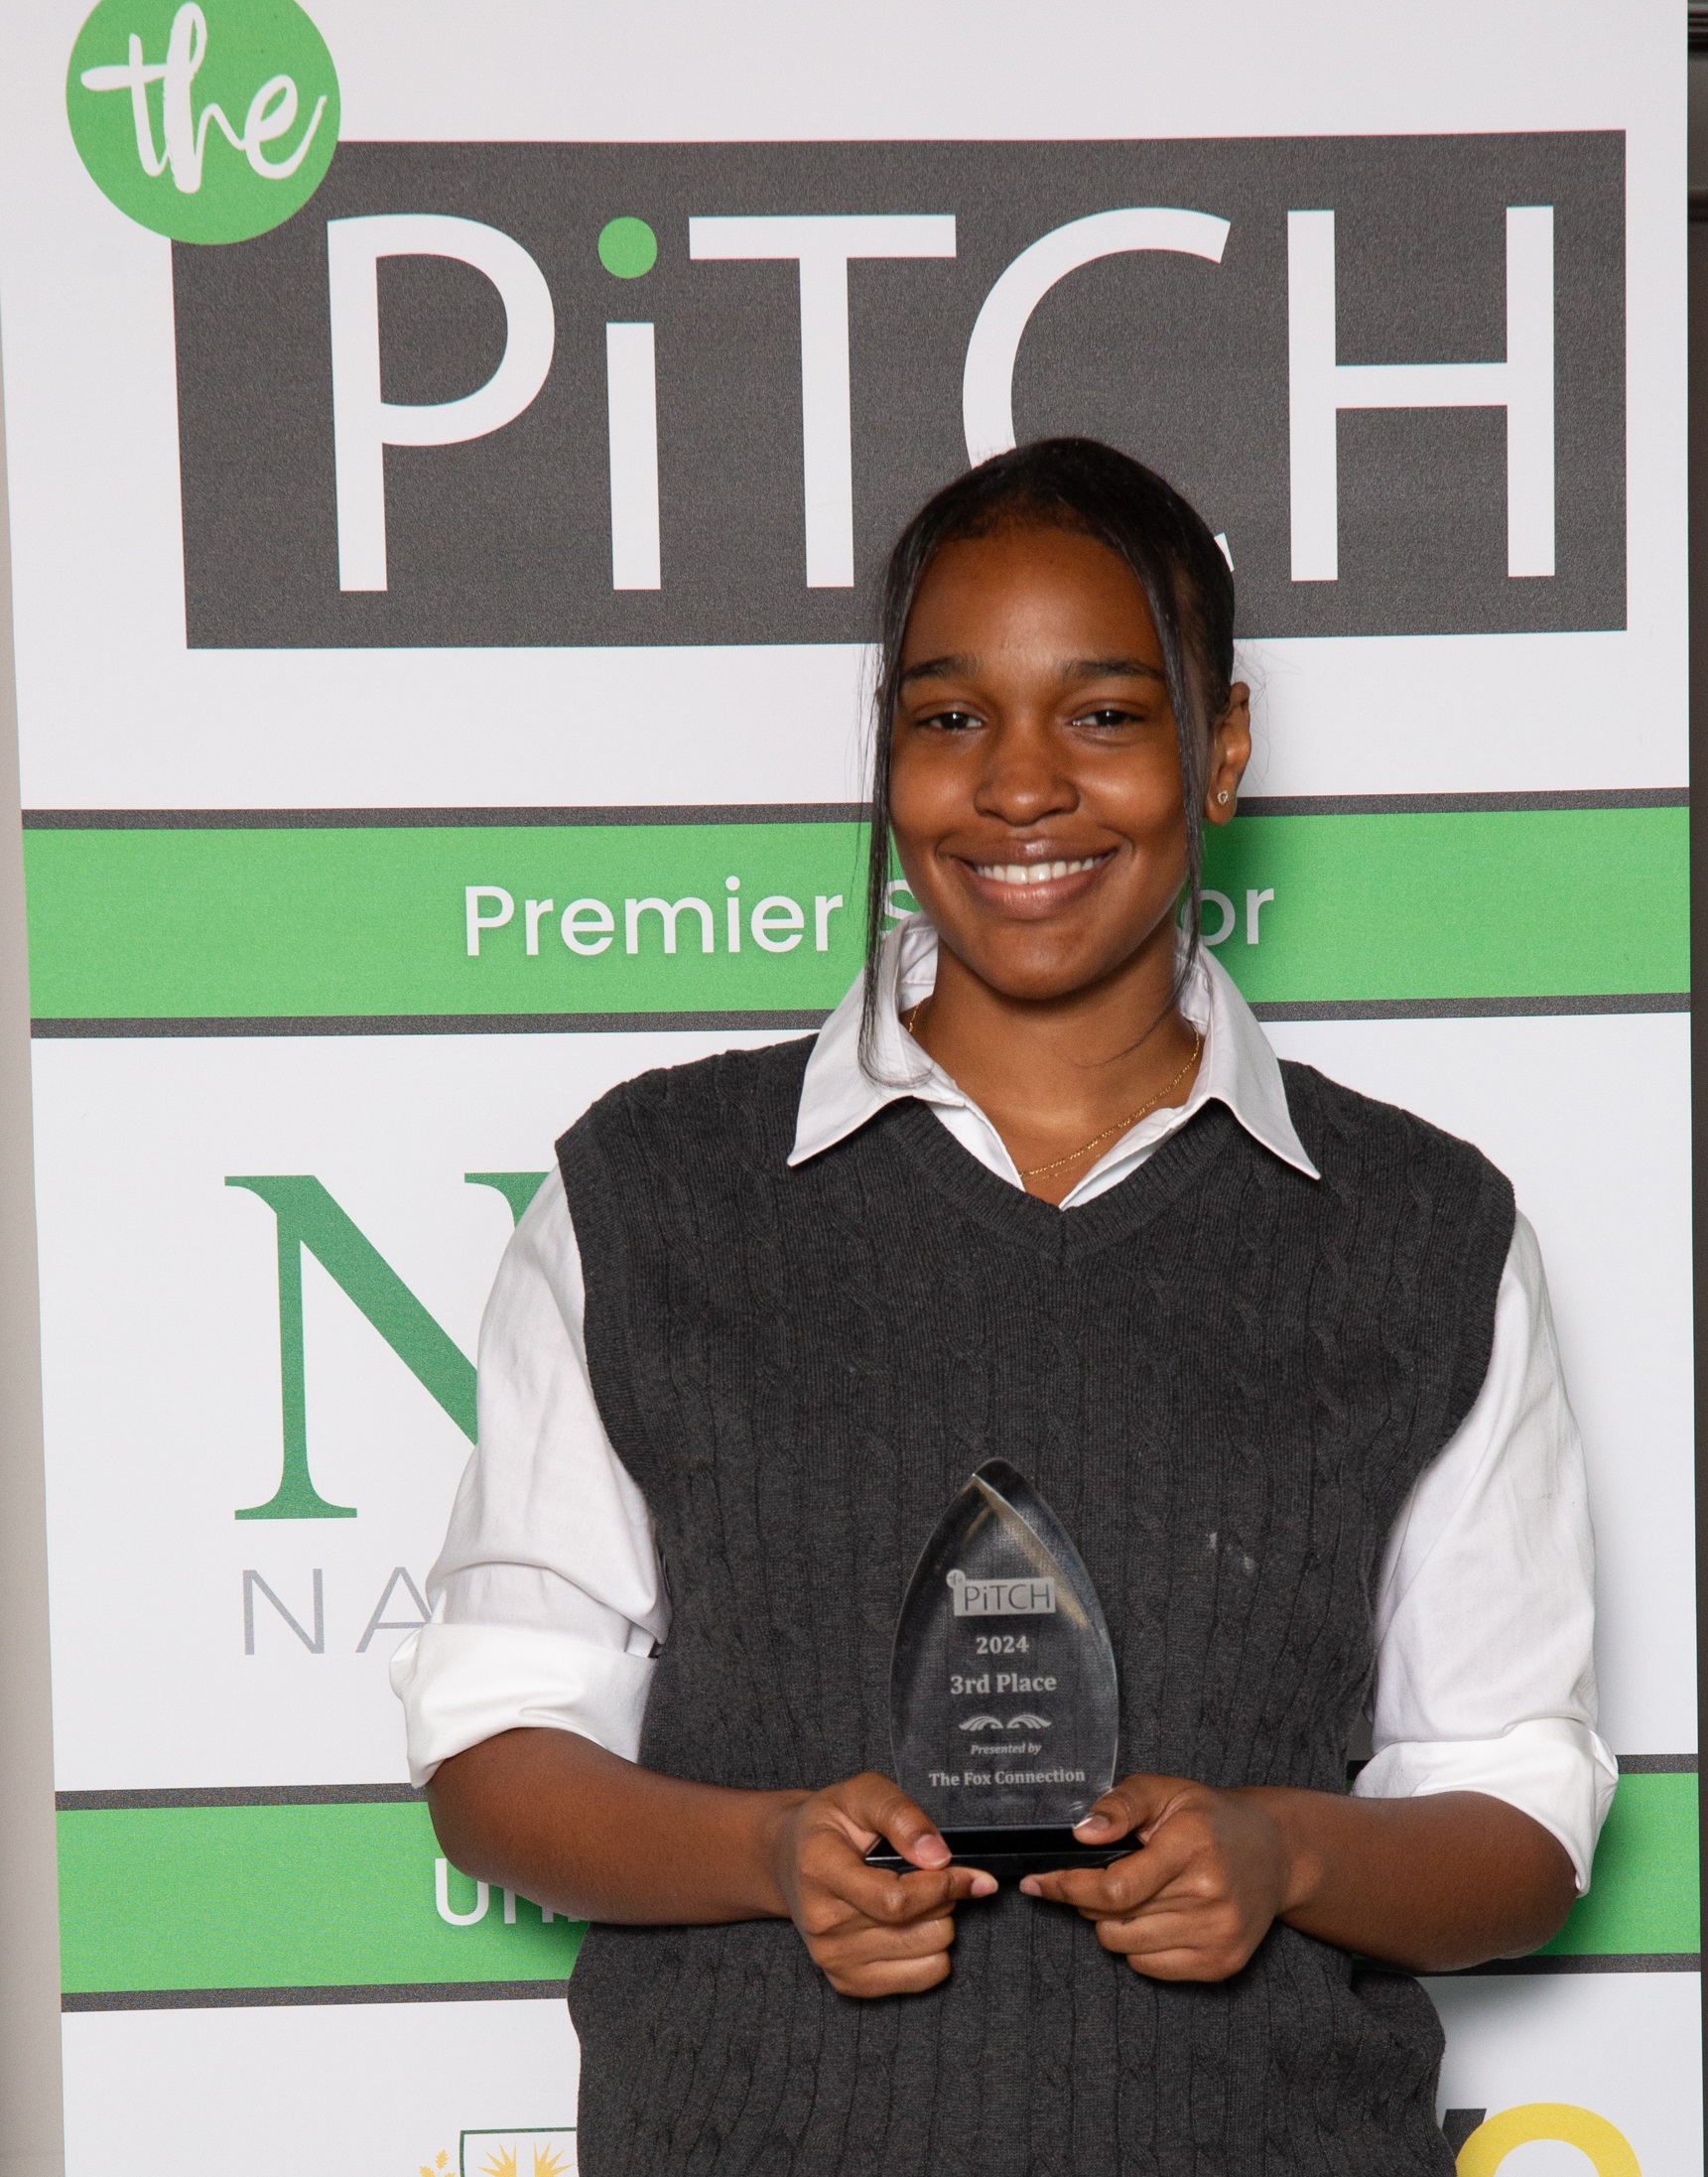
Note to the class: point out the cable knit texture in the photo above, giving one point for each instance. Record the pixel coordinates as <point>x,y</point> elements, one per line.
<point>1225,1376</point>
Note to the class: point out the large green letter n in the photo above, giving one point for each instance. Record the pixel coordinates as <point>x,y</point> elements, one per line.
<point>308,1217</point>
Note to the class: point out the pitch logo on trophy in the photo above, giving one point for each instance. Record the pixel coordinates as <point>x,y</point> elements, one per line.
<point>207,123</point>
<point>1003,1598</point>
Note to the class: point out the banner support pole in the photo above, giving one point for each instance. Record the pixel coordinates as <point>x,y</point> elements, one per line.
<point>32,2129</point>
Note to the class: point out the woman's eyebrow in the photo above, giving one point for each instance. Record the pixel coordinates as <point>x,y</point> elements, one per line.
<point>937,668</point>
<point>1076,668</point>
<point>1111,668</point>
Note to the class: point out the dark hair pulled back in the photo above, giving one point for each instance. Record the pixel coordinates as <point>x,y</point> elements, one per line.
<point>1084,486</point>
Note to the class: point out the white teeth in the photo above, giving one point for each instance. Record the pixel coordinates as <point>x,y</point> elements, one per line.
<point>1033,873</point>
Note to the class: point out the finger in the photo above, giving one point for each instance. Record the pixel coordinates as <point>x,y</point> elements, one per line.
<point>1120,1888</point>
<point>870,1945</point>
<point>1166,1926</point>
<point>1180,1946</point>
<point>895,1976</point>
<point>1128,1808</point>
<point>883,1810</point>
<point>1188,1961</point>
<point>896,1900</point>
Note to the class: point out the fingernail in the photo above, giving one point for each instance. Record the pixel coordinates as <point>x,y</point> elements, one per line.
<point>1095,1822</point>
<point>983,1885</point>
<point>1031,1886</point>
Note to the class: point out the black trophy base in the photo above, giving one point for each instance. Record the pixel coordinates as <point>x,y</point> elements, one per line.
<point>1011,1854</point>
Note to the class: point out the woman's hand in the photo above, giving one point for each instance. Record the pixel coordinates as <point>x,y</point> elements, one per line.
<point>870,1931</point>
<point>1433,1883</point>
<point>563,1822</point>
<point>1215,1872</point>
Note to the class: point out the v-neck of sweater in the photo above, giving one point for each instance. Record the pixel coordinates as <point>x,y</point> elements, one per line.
<point>1026,1220</point>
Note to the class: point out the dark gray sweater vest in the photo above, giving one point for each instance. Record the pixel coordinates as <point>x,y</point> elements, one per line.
<point>1226,1378</point>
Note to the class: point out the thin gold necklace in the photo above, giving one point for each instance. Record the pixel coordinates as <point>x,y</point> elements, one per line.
<point>1037,1172</point>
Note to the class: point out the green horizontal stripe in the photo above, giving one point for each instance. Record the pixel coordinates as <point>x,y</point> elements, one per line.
<point>344,1896</point>
<point>1646,1893</point>
<point>281,1897</point>
<point>1538,903</point>
<point>358,921</point>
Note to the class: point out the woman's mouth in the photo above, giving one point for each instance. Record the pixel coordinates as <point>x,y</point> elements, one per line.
<point>1035,873</point>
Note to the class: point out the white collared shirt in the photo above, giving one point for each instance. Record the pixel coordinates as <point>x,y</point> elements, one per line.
<point>549,1601</point>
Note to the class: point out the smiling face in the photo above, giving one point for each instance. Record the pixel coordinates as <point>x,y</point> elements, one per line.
<point>1036,790</point>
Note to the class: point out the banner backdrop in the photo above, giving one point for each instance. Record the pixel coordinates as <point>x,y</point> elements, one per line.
<point>449,451</point>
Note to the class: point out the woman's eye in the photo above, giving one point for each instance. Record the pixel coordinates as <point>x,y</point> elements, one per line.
<point>951,721</point>
<point>1107,717</point>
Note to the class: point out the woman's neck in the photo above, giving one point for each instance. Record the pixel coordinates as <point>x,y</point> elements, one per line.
<point>1067,1075</point>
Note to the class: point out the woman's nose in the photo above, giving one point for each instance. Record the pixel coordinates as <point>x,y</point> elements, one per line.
<point>1021,780</point>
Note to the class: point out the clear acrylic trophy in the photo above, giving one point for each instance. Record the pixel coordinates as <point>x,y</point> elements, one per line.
<point>1004,1714</point>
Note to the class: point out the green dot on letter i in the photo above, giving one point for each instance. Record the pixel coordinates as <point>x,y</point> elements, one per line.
<point>627,248</point>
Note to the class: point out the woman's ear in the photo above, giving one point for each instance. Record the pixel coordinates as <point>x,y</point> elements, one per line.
<point>1230,752</point>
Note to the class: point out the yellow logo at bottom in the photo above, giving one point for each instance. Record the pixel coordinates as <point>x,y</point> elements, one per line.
<point>1607,2147</point>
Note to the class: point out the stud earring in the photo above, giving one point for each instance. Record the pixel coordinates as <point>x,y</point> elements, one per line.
<point>1223,795</point>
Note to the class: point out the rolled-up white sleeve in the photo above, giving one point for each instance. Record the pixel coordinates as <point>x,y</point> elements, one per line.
<point>548,1599</point>
<point>1485,1622</point>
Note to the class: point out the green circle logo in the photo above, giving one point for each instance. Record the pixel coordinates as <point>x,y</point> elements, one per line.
<point>628,248</point>
<point>210,124</point>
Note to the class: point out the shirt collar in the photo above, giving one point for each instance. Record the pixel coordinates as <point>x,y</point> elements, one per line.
<point>838,1094</point>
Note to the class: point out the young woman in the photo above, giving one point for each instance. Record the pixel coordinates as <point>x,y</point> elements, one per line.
<point>1280,1358</point>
